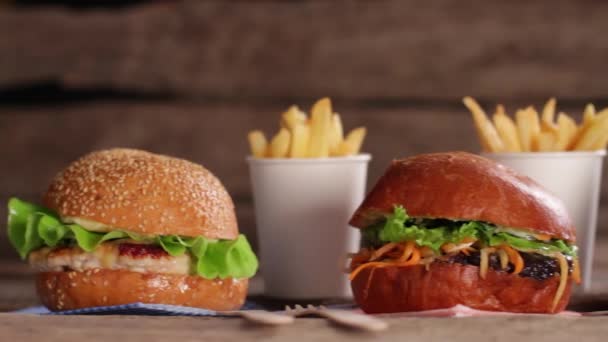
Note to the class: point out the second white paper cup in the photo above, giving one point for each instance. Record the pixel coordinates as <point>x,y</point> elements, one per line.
<point>575,178</point>
<point>302,208</point>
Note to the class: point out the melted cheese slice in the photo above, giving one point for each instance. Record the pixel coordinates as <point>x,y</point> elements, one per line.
<point>89,225</point>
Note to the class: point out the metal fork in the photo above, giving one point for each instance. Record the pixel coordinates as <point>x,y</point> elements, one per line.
<point>343,317</point>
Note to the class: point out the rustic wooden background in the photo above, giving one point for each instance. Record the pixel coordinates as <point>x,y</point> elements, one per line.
<point>190,78</point>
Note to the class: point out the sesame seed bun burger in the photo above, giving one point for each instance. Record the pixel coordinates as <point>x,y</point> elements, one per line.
<point>122,226</point>
<point>455,228</point>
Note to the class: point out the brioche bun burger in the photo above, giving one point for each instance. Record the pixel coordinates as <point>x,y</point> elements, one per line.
<point>454,228</point>
<point>122,226</point>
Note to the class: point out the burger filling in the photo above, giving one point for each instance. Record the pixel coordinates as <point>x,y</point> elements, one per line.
<point>536,266</point>
<point>404,241</point>
<point>51,244</point>
<point>111,255</point>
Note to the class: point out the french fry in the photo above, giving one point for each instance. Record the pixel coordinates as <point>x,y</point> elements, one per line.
<point>588,118</point>
<point>600,143</point>
<point>507,131</point>
<point>528,128</point>
<point>500,109</point>
<point>352,144</point>
<point>337,134</point>
<point>292,116</point>
<point>588,114</point>
<point>299,141</point>
<point>594,136</point>
<point>566,132</point>
<point>545,133</point>
<point>319,136</point>
<point>535,125</point>
<point>548,116</point>
<point>523,130</point>
<point>320,128</point>
<point>279,145</point>
<point>546,141</point>
<point>257,143</point>
<point>490,141</point>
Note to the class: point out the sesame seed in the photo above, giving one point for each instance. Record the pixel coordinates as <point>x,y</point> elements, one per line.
<point>141,191</point>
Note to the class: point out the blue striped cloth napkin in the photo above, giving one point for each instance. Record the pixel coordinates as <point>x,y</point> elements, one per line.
<point>135,309</point>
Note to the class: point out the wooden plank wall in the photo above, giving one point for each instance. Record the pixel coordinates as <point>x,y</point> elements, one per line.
<point>355,49</point>
<point>207,72</point>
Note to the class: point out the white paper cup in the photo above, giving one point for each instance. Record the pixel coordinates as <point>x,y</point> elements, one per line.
<point>575,178</point>
<point>302,208</point>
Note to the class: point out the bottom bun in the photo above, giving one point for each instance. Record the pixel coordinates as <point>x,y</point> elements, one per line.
<point>100,287</point>
<point>395,289</point>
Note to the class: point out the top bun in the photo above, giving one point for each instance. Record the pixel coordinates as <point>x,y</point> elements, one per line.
<point>144,193</point>
<point>463,186</point>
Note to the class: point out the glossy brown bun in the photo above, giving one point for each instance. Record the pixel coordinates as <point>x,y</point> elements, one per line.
<point>144,193</point>
<point>394,289</point>
<point>100,287</point>
<point>463,186</point>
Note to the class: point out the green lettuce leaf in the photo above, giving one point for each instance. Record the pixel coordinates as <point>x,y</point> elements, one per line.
<point>89,241</point>
<point>51,230</point>
<point>23,239</point>
<point>172,245</point>
<point>399,227</point>
<point>524,244</point>
<point>31,227</point>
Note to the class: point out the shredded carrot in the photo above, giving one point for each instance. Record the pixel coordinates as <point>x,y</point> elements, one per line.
<point>413,260</point>
<point>576,271</point>
<point>448,247</point>
<point>563,276</point>
<point>407,251</point>
<point>368,284</point>
<point>394,254</point>
<point>361,267</point>
<point>363,255</point>
<point>484,261</point>
<point>426,251</point>
<point>377,254</point>
<point>515,258</point>
<point>401,255</point>
<point>504,258</point>
<point>465,251</point>
<point>359,258</point>
<point>469,250</point>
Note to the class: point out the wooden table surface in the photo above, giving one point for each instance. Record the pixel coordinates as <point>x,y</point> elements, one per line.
<point>17,291</point>
<point>182,329</point>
